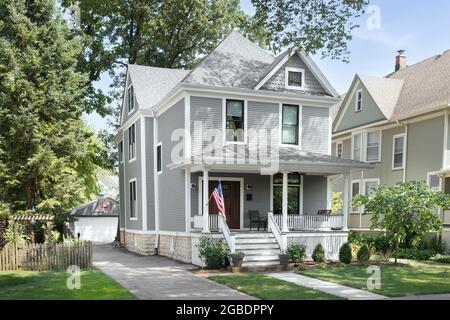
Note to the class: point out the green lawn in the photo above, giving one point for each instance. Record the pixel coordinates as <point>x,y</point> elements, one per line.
<point>268,288</point>
<point>17,285</point>
<point>396,281</point>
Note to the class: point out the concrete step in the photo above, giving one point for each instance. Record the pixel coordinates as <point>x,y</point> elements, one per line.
<point>259,252</point>
<point>254,240</point>
<point>273,257</point>
<point>249,264</point>
<point>256,246</point>
<point>254,235</point>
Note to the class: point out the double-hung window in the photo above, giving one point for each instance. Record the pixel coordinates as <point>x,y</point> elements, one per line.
<point>235,120</point>
<point>133,199</point>
<point>373,146</point>
<point>356,190</point>
<point>130,99</point>
<point>339,149</point>
<point>398,152</point>
<point>132,142</point>
<point>289,125</point>
<point>434,181</point>
<point>356,146</point>
<point>158,159</point>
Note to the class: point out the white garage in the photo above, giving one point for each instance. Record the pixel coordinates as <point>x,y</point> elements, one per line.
<point>96,221</point>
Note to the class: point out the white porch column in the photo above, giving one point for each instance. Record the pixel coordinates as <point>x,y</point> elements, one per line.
<point>205,202</point>
<point>284,207</point>
<point>346,201</point>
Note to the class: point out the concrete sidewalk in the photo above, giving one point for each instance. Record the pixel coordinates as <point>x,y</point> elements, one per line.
<point>328,287</point>
<point>159,278</point>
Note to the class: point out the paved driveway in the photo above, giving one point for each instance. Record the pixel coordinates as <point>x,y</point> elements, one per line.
<point>159,278</point>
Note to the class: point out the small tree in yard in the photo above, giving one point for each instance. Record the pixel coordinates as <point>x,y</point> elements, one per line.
<point>404,210</point>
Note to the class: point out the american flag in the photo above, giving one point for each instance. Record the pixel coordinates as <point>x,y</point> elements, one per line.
<point>218,196</point>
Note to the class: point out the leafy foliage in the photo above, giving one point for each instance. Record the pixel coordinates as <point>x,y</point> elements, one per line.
<point>363,254</point>
<point>404,209</point>
<point>415,254</point>
<point>4,210</point>
<point>297,252</point>
<point>319,253</point>
<point>345,253</point>
<point>441,258</point>
<point>337,202</point>
<point>213,251</point>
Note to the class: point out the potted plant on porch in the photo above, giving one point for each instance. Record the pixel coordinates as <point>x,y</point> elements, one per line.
<point>284,257</point>
<point>236,260</point>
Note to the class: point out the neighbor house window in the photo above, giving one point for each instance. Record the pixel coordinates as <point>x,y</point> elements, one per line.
<point>356,190</point>
<point>293,193</point>
<point>121,151</point>
<point>339,149</point>
<point>294,78</point>
<point>370,185</point>
<point>373,146</point>
<point>235,120</point>
<point>290,125</point>
<point>133,199</point>
<point>130,96</point>
<point>434,181</point>
<point>132,142</point>
<point>398,153</point>
<point>358,101</point>
<point>356,146</point>
<point>158,159</point>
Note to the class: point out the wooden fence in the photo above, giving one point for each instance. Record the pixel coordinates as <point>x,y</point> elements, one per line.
<point>46,257</point>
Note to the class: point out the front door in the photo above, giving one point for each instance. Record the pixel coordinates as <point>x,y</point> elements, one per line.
<point>231,195</point>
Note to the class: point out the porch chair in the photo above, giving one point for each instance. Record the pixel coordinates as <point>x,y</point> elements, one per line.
<point>324,212</point>
<point>255,218</point>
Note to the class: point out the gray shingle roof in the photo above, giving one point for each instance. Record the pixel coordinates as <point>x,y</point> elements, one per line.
<point>151,84</point>
<point>90,209</point>
<point>236,62</point>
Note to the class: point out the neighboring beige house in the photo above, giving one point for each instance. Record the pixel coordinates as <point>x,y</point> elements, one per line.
<point>400,123</point>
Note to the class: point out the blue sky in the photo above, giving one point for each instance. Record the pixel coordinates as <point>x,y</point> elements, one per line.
<point>420,27</point>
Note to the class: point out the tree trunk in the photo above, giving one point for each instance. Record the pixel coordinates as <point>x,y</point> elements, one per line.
<point>397,240</point>
<point>29,194</point>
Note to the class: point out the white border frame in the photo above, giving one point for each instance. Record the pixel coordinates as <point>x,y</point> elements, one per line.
<point>130,86</point>
<point>241,191</point>
<point>136,208</point>
<point>224,121</point>
<point>286,78</point>
<point>366,134</point>
<point>340,143</point>
<point>394,137</point>
<point>300,191</point>
<point>365,181</point>
<point>434,173</point>
<point>280,125</point>
<point>356,100</point>
<point>133,125</point>
<point>352,156</point>
<point>351,195</point>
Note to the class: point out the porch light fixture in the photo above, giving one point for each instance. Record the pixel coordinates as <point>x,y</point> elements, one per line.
<point>248,187</point>
<point>193,186</point>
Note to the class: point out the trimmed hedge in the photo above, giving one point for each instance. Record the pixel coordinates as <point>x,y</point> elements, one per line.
<point>318,254</point>
<point>363,254</point>
<point>345,253</point>
<point>415,254</point>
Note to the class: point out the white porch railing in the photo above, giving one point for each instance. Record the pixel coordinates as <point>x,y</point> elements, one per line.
<point>229,238</point>
<point>213,222</point>
<point>273,227</point>
<point>311,221</point>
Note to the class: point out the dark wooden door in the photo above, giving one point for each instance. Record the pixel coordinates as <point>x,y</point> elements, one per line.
<point>231,195</point>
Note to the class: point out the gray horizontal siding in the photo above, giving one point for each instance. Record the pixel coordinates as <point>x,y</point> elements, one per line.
<point>171,182</point>
<point>150,173</point>
<point>315,129</point>
<point>314,194</point>
<point>263,123</point>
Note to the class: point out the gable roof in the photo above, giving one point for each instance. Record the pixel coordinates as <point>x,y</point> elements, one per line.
<point>90,209</point>
<point>236,62</point>
<point>151,84</point>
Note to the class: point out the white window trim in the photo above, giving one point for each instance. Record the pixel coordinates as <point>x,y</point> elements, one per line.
<point>438,188</point>
<point>300,191</point>
<point>359,210</point>
<point>280,125</point>
<point>123,153</point>
<point>360,146</point>
<point>379,146</point>
<point>365,181</point>
<point>135,143</point>
<point>136,208</point>
<point>286,78</point>
<point>356,100</point>
<point>342,149</point>
<point>156,151</point>
<point>130,111</point>
<point>397,136</point>
<point>224,122</point>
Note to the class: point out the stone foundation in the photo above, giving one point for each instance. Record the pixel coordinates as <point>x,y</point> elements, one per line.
<point>143,244</point>
<point>175,247</point>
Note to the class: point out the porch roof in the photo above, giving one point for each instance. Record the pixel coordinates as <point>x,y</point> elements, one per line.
<point>239,157</point>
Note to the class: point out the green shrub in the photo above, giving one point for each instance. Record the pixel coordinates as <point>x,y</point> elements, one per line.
<point>415,254</point>
<point>318,253</point>
<point>212,251</point>
<point>297,252</point>
<point>363,255</point>
<point>441,258</point>
<point>345,253</point>
<point>4,211</point>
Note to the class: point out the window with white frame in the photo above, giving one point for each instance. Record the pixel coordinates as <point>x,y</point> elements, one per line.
<point>356,146</point>
<point>370,185</point>
<point>358,100</point>
<point>133,195</point>
<point>235,120</point>
<point>294,78</point>
<point>132,142</point>
<point>294,181</point>
<point>434,181</point>
<point>339,149</point>
<point>373,146</point>
<point>290,124</point>
<point>130,99</point>
<point>356,191</point>
<point>120,151</point>
<point>158,159</point>
<point>398,151</point>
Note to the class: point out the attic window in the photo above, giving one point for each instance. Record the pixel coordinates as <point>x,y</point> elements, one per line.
<point>358,102</point>
<point>294,78</point>
<point>130,98</point>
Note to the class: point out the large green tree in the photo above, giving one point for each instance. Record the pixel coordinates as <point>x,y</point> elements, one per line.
<point>47,155</point>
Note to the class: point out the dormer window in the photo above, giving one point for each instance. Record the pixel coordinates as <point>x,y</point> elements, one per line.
<point>295,78</point>
<point>130,99</point>
<point>358,101</point>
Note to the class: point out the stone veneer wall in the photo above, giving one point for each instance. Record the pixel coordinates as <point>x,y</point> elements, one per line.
<point>175,247</point>
<point>143,244</point>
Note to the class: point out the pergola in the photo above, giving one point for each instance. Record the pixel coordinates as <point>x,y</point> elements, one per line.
<point>31,219</point>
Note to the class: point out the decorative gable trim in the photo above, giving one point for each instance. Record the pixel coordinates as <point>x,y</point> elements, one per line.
<point>311,66</point>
